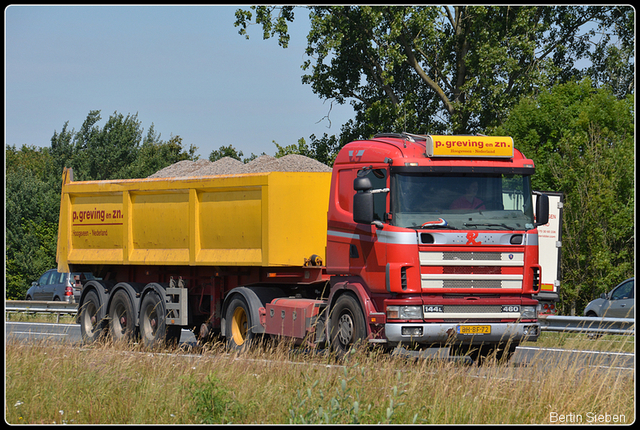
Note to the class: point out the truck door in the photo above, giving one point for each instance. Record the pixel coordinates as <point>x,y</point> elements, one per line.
<point>354,248</point>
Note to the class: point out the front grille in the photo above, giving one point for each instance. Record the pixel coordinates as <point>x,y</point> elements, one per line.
<point>472,284</point>
<point>471,256</point>
<point>466,270</point>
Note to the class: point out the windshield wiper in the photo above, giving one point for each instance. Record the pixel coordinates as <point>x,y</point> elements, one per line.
<point>467,224</point>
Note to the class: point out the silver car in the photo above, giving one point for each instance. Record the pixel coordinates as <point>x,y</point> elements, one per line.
<point>54,286</point>
<point>619,303</point>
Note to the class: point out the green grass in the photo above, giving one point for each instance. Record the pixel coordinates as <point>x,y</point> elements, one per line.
<point>39,318</point>
<point>579,341</point>
<point>116,384</point>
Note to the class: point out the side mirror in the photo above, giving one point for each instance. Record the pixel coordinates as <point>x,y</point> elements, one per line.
<point>542,209</point>
<point>363,208</point>
<point>33,284</point>
<point>362,184</point>
<point>362,201</point>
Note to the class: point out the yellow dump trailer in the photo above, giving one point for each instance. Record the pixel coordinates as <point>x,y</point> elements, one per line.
<point>258,219</point>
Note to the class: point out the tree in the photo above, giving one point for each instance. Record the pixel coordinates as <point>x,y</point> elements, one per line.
<point>225,151</point>
<point>156,154</point>
<point>323,150</point>
<point>32,202</point>
<point>115,151</point>
<point>582,141</point>
<point>446,69</point>
<point>34,180</point>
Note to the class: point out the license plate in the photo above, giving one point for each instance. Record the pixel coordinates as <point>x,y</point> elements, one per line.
<point>474,329</point>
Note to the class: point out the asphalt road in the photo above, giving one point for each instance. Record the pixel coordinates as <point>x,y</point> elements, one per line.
<point>524,356</point>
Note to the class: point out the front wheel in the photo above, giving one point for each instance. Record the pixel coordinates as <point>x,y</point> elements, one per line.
<point>92,327</point>
<point>154,330</point>
<point>348,325</point>
<point>238,324</point>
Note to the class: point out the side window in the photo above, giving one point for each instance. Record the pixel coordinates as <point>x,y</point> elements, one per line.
<point>378,181</point>
<point>44,279</point>
<point>378,178</point>
<point>624,291</point>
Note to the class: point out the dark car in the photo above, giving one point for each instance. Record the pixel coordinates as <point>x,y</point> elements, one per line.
<point>53,286</point>
<point>618,303</point>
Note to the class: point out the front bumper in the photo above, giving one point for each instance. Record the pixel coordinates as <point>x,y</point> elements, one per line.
<point>448,333</point>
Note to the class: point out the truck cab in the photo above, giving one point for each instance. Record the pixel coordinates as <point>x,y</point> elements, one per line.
<point>436,236</point>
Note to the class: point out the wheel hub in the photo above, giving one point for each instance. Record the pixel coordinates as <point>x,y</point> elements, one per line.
<point>345,329</point>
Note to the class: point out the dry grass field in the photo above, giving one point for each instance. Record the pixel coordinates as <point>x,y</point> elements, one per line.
<point>122,384</point>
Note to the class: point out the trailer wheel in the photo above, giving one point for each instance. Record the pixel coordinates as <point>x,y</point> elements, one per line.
<point>121,317</point>
<point>347,324</point>
<point>154,330</point>
<point>238,324</point>
<point>92,328</point>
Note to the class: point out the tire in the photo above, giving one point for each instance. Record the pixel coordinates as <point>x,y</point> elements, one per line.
<point>154,331</point>
<point>92,327</point>
<point>238,324</point>
<point>347,324</point>
<point>121,317</point>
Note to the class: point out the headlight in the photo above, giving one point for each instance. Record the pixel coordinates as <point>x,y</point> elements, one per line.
<point>529,312</point>
<point>404,312</point>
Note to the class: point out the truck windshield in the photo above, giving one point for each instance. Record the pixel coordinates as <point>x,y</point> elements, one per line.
<point>461,201</point>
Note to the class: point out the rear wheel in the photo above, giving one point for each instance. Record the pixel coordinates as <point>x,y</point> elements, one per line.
<point>121,322</point>
<point>154,330</point>
<point>347,324</point>
<point>92,327</point>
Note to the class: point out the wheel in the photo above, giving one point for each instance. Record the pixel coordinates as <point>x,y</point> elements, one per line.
<point>347,324</point>
<point>92,327</point>
<point>153,325</point>
<point>238,324</point>
<point>121,317</point>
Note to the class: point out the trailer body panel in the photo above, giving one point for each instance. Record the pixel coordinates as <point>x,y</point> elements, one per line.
<point>262,219</point>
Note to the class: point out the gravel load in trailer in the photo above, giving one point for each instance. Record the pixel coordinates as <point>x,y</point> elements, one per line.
<point>231,166</point>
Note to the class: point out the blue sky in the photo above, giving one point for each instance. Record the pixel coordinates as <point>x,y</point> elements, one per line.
<point>183,68</point>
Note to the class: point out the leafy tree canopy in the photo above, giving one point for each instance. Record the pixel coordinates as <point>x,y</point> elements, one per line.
<point>33,178</point>
<point>459,69</point>
<point>115,151</point>
<point>582,141</point>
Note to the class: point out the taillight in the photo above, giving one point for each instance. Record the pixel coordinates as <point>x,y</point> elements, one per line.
<point>68,291</point>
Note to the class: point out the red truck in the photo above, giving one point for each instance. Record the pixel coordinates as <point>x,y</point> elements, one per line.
<point>410,240</point>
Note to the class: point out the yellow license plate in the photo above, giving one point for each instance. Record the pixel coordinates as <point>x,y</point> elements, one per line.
<point>474,329</point>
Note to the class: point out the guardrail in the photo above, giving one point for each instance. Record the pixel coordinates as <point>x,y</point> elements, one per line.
<point>40,307</point>
<point>589,325</point>
<point>557,323</point>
